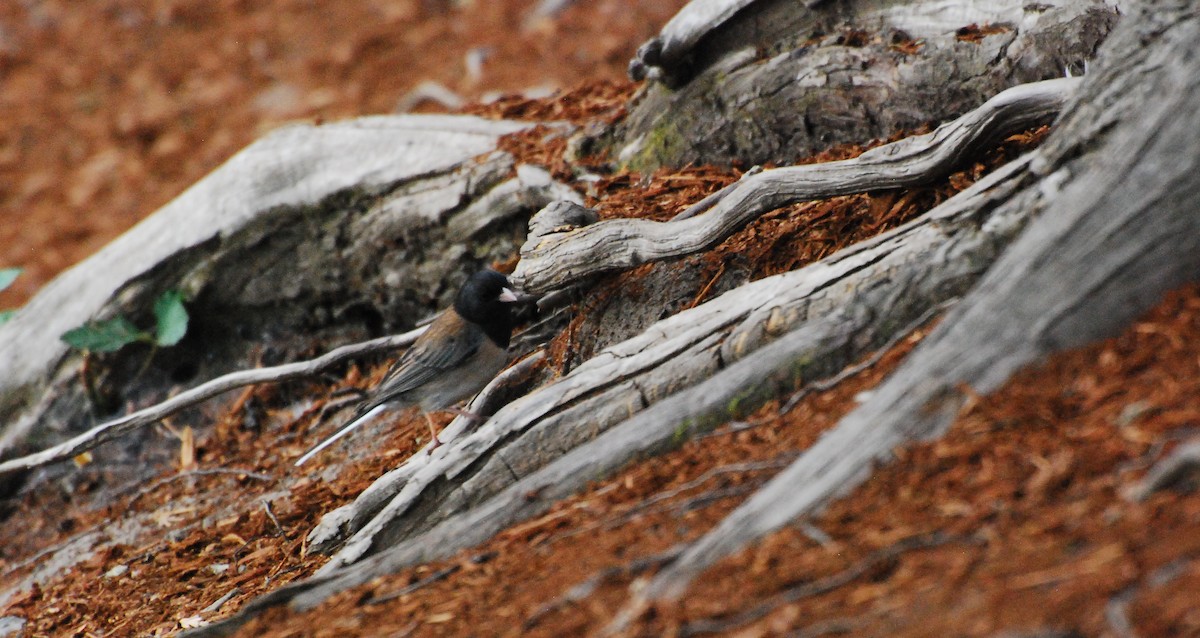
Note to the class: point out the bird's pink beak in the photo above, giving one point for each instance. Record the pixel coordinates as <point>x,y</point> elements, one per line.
<point>508,296</point>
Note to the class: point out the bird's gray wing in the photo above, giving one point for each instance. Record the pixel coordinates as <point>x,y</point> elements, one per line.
<point>449,343</point>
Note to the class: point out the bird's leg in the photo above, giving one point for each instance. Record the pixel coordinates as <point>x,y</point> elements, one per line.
<point>436,442</point>
<point>475,418</point>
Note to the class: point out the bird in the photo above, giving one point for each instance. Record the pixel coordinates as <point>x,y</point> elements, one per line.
<point>460,352</point>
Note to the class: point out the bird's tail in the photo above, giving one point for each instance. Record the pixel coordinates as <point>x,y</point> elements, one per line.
<point>360,418</point>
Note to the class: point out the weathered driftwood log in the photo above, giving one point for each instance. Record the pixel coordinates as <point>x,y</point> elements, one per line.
<point>483,404</point>
<point>773,81</point>
<point>680,351</point>
<point>691,367</point>
<point>299,241</point>
<point>559,257</point>
<point>845,305</point>
<point>1120,183</point>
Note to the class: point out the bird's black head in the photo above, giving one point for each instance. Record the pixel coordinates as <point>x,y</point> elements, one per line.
<point>486,300</point>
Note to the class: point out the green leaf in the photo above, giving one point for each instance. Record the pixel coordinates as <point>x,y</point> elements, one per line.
<point>172,318</point>
<point>7,276</point>
<point>105,336</point>
<point>5,315</point>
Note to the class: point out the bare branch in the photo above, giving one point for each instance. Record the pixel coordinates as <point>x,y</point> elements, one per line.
<point>1122,232</point>
<point>440,574</point>
<point>816,588</point>
<point>270,514</point>
<point>112,429</point>
<point>220,602</point>
<point>561,257</point>
<point>588,587</point>
<point>1180,467</point>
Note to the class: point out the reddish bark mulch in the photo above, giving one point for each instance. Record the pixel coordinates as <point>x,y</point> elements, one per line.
<point>111,108</point>
<point>1014,521</point>
<point>212,545</point>
<point>1018,513</point>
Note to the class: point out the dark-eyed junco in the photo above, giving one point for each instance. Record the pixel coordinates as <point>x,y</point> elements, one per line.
<point>456,357</point>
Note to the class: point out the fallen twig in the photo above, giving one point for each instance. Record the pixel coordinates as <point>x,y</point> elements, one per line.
<point>816,534</point>
<point>586,588</point>
<point>646,505</point>
<point>220,602</point>
<point>192,474</point>
<point>112,429</point>
<point>781,461</point>
<point>1181,465</point>
<point>700,500</point>
<point>340,399</point>
<point>271,515</point>
<point>824,585</point>
<point>441,574</point>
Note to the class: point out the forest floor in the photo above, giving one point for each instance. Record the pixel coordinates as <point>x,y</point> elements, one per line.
<point>1018,520</point>
<point>111,108</point>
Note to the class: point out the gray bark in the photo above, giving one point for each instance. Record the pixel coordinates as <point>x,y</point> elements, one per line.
<point>703,341</point>
<point>559,255</point>
<point>297,242</point>
<point>1112,195</point>
<point>772,81</point>
<point>1120,181</point>
<point>546,445</point>
<point>552,442</point>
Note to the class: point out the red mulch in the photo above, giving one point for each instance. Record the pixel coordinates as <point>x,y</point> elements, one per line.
<point>111,107</point>
<point>1026,488</point>
<point>224,547</point>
